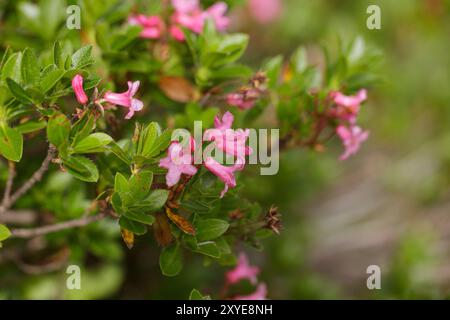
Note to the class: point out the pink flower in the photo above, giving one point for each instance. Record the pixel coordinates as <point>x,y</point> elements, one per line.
<point>217,13</point>
<point>77,86</point>
<point>177,162</point>
<point>259,294</point>
<point>225,123</point>
<point>242,271</point>
<point>126,99</point>
<point>226,174</point>
<point>185,6</point>
<point>177,33</point>
<point>348,106</point>
<point>153,26</point>
<point>232,142</point>
<point>190,15</point>
<point>265,11</point>
<point>351,138</point>
<point>241,100</point>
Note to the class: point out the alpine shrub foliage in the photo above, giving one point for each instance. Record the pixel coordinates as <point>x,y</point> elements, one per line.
<point>87,116</point>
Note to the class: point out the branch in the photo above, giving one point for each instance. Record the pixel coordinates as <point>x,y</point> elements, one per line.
<point>9,182</point>
<point>39,231</point>
<point>36,177</point>
<point>18,217</point>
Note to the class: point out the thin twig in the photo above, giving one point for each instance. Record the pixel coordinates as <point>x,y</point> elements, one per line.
<point>9,182</point>
<point>36,177</point>
<point>39,231</point>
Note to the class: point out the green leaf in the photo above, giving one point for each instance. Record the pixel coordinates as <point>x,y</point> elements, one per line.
<point>140,217</point>
<point>140,184</point>
<point>51,79</point>
<point>58,56</point>
<point>121,183</point>
<point>82,57</point>
<point>147,139</point>
<point>11,143</point>
<point>153,202</point>
<point>58,129</point>
<point>30,68</point>
<point>119,153</point>
<point>31,126</point>
<point>95,142</point>
<point>122,40</point>
<point>162,142</point>
<point>208,248</point>
<point>171,260</point>
<point>18,92</point>
<point>133,226</point>
<point>81,168</point>
<point>4,232</point>
<point>12,68</point>
<point>82,128</point>
<point>208,229</point>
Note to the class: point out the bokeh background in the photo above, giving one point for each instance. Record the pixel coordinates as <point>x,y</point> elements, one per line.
<point>388,206</point>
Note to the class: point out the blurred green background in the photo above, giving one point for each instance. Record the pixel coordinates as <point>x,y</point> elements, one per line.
<point>388,206</point>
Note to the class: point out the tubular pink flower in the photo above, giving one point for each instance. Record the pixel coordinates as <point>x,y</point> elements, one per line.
<point>225,174</point>
<point>347,107</point>
<point>259,294</point>
<point>153,26</point>
<point>351,138</point>
<point>265,11</point>
<point>177,162</point>
<point>77,86</point>
<point>126,99</point>
<point>242,271</point>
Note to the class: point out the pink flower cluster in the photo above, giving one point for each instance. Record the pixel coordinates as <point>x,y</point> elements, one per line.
<point>232,142</point>
<point>153,26</point>
<point>188,14</point>
<point>125,99</point>
<point>244,271</point>
<point>346,109</point>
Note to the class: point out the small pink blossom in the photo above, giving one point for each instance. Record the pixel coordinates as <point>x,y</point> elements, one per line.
<point>232,142</point>
<point>153,26</point>
<point>225,123</point>
<point>77,86</point>
<point>240,100</point>
<point>189,14</point>
<point>185,6</point>
<point>177,33</point>
<point>217,13</point>
<point>226,174</point>
<point>265,11</point>
<point>347,107</point>
<point>352,138</point>
<point>259,294</point>
<point>177,162</point>
<point>126,99</point>
<point>242,271</point>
